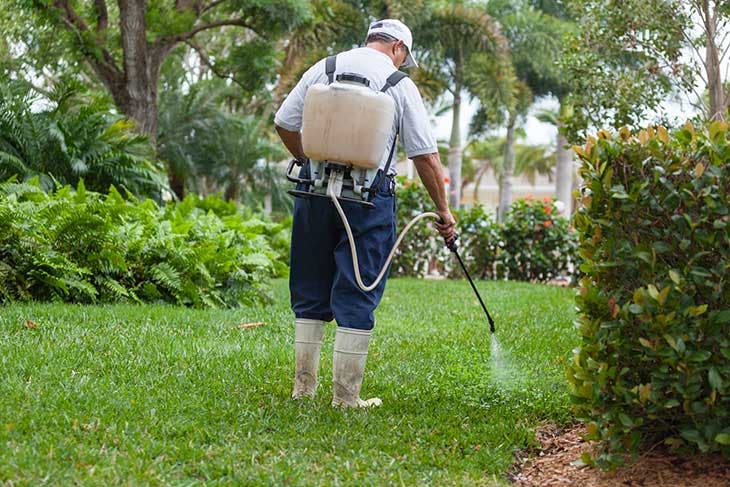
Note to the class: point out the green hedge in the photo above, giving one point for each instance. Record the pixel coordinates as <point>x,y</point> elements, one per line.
<point>419,249</point>
<point>654,364</point>
<point>479,244</point>
<point>536,245</point>
<point>85,247</point>
<point>533,244</point>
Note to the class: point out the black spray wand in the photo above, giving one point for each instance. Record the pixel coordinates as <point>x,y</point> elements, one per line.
<point>453,247</point>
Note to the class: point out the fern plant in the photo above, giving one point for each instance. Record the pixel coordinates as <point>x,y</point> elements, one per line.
<point>83,246</point>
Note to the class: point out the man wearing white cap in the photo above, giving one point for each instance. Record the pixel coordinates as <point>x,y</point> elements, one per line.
<point>322,281</point>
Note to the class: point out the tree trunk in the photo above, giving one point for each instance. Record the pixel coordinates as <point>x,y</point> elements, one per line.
<point>231,192</point>
<point>454,158</point>
<point>505,180</point>
<point>177,185</point>
<point>141,69</point>
<point>478,179</point>
<point>564,169</point>
<point>712,63</point>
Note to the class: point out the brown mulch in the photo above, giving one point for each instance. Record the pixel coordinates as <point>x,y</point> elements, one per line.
<point>550,466</point>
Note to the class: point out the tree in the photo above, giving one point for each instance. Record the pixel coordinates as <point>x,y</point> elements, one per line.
<point>335,25</point>
<point>240,155</point>
<point>209,148</point>
<point>507,102</point>
<point>488,153</point>
<point>627,57</point>
<point>550,33</point>
<point>185,122</point>
<point>332,25</point>
<point>450,38</point>
<point>564,167</point>
<point>124,47</point>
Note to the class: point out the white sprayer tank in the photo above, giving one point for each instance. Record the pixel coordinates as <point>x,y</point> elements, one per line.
<point>346,122</point>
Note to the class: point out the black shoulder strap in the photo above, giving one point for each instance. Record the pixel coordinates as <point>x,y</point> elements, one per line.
<point>393,80</point>
<point>329,67</point>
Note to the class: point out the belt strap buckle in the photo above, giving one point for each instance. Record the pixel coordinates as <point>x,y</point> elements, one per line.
<point>388,184</point>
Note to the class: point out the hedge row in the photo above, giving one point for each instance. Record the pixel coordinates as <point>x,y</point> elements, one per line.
<point>532,244</point>
<point>654,225</point>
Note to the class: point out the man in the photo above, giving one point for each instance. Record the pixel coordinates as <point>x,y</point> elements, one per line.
<point>322,281</point>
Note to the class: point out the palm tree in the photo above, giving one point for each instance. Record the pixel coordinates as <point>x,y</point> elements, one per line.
<point>451,37</point>
<point>208,148</point>
<point>489,153</point>
<point>528,31</point>
<point>508,102</point>
<point>238,156</point>
<point>184,124</point>
<point>332,24</point>
<point>74,137</point>
<point>564,156</point>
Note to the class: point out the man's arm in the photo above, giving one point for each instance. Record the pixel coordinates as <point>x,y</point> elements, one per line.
<point>288,118</point>
<point>292,141</point>
<point>431,173</point>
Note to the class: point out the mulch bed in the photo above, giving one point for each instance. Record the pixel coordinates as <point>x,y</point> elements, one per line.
<point>550,466</point>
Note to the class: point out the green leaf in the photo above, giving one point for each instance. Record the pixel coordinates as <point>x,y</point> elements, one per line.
<point>722,317</point>
<point>691,435</point>
<point>661,247</point>
<point>697,310</point>
<point>723,438</point>
<point>636,309</point>
<point>714,378</point>
<point>618,192</point>
<point>625,420</point>
<point>674,276</point>
<point>671,341</point>
<point>699,356</point>
<point>653,292</point>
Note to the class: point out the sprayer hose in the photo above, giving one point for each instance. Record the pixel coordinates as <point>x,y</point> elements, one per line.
<point>353,250</point>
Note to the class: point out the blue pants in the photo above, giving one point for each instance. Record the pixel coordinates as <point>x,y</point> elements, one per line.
<point>322,280</point>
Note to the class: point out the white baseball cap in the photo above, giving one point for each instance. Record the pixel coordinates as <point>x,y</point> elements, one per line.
<point>400,32</point>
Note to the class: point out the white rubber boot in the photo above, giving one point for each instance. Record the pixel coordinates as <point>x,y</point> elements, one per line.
<point>348,365</point>
<point>307,344</point>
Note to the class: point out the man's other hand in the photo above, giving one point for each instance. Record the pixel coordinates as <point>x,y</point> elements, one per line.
<point>446,229</point>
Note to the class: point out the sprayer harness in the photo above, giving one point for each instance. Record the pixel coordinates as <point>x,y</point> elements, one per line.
<point>336,180</point>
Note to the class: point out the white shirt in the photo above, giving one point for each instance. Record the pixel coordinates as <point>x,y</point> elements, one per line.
<point>410,114</point>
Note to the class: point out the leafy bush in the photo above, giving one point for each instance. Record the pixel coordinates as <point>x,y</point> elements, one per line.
<point>420,247</point>
<point>655,302</point>
<point>536,244</point>
<point>479,244</point>
<point>532,244</point>
<point>86,247</point>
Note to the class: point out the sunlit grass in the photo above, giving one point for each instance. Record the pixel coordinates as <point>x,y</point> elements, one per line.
<point>103,395</point>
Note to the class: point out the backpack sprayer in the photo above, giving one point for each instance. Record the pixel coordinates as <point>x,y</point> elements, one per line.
<point>345,127</point>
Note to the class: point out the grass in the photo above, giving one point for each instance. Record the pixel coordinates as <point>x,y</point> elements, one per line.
<point>163,395</point>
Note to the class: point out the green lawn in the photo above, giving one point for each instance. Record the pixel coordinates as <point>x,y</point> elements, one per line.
<point>123,394</point>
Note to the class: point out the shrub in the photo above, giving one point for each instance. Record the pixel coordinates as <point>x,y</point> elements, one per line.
<point>537,245</point>
<point>532,244</point>
<point>654,363</point>
<point>479,244</point>
<point>421,245</point>
<point>86,247</point>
